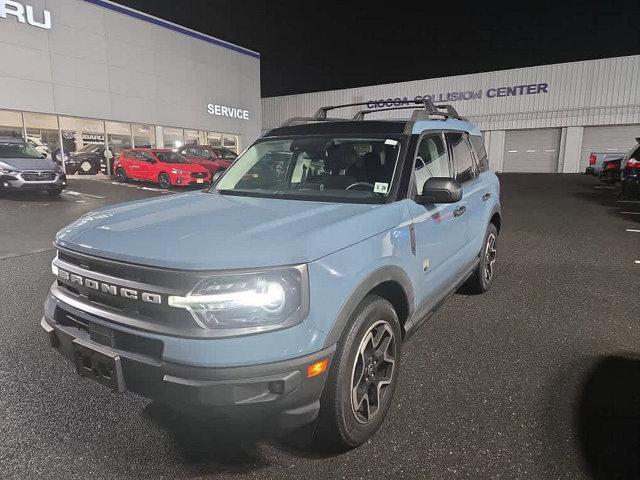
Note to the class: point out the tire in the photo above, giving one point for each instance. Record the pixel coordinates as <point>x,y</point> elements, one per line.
<point>54,191</point>
<point>87,167</point>
<point>482,278</point>
<point>164,181</point>
<point>121,175</point>
<point>346,419</point>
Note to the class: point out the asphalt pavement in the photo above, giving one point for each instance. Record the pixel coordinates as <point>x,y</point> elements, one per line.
<point>537,379</point>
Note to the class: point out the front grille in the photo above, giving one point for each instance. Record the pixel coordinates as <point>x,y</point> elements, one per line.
<point>198,175</point>
<point>150,316</point>
<point>38,176</point>
<point>111,338</point>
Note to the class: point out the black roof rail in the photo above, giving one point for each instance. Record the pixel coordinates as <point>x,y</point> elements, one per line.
<point>296,120</point>
<point>428,109</point>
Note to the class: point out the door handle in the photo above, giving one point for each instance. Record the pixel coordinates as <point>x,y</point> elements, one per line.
<point>486,197</point>
<point>458,212</point>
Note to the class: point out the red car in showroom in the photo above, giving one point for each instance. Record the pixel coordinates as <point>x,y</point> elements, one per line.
<point>164,167</point>
<point>214,159</point>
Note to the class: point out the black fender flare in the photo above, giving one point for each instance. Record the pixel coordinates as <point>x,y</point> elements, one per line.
<point>375,278</point>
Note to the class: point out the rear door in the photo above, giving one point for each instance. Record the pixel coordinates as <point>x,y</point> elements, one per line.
<point>476,191</point>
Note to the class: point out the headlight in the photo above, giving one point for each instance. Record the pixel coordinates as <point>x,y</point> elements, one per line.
<point>264,300</point>
<point>175,170</point>
<point>7,171</point>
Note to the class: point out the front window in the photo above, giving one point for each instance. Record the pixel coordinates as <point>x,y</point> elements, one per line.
<point>170,157</point>
<point>321,168</point>
<point>17,150</point>
<point>227,155</point>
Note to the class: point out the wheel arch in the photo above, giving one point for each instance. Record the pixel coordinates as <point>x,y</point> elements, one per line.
<point>496,219</point>
<point>391,283</point>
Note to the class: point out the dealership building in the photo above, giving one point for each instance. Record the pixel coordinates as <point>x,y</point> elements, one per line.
<point>537,119</point>
<point>77,73</point>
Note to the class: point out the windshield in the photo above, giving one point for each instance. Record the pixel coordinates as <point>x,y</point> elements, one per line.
<point>322,168</point>
<point>90,148</point>
<point>17,150</point>
<point>170,157</point>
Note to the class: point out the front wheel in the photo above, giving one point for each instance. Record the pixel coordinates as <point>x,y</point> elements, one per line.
<point>482,278</point>
<point>86,167</point>
<point>164,181</point>
<point>121,175</point>
<point>362,378</point>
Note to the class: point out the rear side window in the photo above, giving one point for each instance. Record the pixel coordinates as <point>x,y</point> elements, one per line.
<point>477,143</point>
<point>462,157</point>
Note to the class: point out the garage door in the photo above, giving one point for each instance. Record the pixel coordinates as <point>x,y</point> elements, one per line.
<point>534,151</point>
<point>619,138</point>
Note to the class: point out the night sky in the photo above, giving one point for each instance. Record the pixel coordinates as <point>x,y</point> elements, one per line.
<point>311,45</point>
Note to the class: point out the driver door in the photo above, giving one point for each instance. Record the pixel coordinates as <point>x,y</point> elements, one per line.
<point>440,229</point>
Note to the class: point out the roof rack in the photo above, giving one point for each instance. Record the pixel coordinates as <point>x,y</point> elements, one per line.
<point>428,110</point>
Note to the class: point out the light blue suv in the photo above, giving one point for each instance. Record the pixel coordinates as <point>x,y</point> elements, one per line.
<point>288,288</point>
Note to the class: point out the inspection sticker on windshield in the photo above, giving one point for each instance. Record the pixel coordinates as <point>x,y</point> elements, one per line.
<point>390,141</point>
<point>380,187</point>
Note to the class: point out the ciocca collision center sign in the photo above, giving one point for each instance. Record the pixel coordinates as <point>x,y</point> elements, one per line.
<point>493,92</point>
<point>225,111</point>
<point>24,14</point>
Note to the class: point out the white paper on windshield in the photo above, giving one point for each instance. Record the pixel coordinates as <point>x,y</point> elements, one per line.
<point>380,187</point>
<point>390,141</point>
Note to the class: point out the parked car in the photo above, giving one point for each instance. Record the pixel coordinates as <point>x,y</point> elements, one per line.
<point>164,167</point>
<point>214,159</point>
<point>630,171</point>
<point>610,172</point>
<point>38,145</point>
<point>596,159</point>
<point>89,160</point>
<point>288,288</point>
<point>23,168</point>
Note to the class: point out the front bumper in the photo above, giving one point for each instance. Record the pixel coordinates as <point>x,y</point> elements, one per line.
<point>23,181</point>
<point>279,391</point>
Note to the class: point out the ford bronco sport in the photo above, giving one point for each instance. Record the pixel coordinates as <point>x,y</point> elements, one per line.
<point>335,240</point>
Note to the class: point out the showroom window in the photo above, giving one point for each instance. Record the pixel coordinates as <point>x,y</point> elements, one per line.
<point>118,136</point>
<point>230,142</point>
<point>10,124</point>
<point>214,139</point>
<point>43,134</point>
<point>144,136</point>
<point>172,137</point>
<point>190,137</point>
<point>81,133</point>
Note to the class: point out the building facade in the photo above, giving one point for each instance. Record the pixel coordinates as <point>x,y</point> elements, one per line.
<point>538,119</point>
<point>76,73</point>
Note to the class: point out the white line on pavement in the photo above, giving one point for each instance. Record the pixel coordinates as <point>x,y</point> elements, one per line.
<point>606,188</point>
<point>634,230</point>
<point>638,262</point>
<point>628,201</point>
<point>631,213</point>
<point>77,194</point>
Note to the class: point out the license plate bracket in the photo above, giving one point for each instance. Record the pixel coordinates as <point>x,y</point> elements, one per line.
<point>200,180</point>
<point>99,365</point>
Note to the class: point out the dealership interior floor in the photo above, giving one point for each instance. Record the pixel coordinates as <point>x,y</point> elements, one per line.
<point>539,378</point>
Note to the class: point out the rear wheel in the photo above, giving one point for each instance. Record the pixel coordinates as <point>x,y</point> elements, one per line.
<point>362,378</point>
<point>483,276</point>
<point>121,175</point>
<point>164,181</point>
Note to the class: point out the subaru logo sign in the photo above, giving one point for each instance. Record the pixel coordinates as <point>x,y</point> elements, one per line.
<point>24,14</point>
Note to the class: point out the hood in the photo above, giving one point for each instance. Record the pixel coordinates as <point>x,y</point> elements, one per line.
<point>186,167</point>
<point>22,164</point>
<point>208,231</point>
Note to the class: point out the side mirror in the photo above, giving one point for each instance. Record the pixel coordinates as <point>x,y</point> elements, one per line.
<point>440,190</point>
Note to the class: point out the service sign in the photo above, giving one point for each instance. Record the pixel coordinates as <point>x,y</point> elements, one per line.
<point>226,111</point>
<point>25,14</point>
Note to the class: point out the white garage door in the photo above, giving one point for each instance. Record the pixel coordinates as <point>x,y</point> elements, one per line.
<point>534,151</point>
<point>619,138</point>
